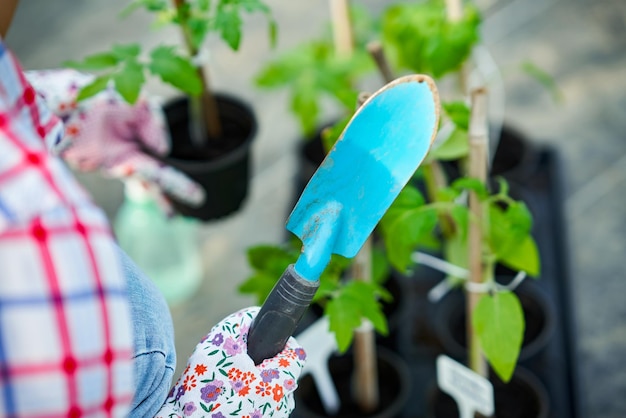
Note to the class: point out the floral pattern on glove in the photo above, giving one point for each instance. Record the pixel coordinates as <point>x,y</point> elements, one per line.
<point>221,380</point>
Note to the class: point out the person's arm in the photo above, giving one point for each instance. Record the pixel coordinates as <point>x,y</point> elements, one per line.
<point>66,341</point>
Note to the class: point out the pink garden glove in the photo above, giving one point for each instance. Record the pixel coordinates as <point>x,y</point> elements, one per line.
<point>222,381</point>
<point>105,133</point>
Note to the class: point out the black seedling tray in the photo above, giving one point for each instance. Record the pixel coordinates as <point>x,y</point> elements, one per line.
<point>555,365</point>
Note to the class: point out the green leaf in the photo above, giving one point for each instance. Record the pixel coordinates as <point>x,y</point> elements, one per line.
<point>380,266</point>
<point>472,184</point>
<point>304,104</point>
<point>94,62</point>
<point>409,198</point>
<point>175,70</point>
<point>508,228</point>
<point>271,258</point>
<point>523,257</point>
<point>406,232</point>
<point>419,37</point>
<point>343,318</point>
<point>355,301</point>
<point>126,51</point>
<point>331,134</point>
<point>259,285</point>
<point>459,114</point>
<point>228,23</point>
<point>498,321</point>
<point>93,88</point>
<point>456,146</point>
<point>129,80</point>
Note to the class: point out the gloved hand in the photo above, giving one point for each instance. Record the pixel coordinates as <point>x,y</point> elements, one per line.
<point>107,134</point>
<point>221,380</point>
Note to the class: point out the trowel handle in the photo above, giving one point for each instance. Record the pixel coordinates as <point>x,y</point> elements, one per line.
<point>280,314</point>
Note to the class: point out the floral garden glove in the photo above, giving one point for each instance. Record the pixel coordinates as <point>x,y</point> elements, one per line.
<point>106,133</point>
<point>222,381</point>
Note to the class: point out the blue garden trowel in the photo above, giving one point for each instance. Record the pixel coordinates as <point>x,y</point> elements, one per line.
<point>375,156</point>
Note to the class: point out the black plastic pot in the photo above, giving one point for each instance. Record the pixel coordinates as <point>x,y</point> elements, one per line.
<point>524,396</point>
<point>539,315</point>
<point>222,167</point>
<point>394,386</point>
<point>516,158</point>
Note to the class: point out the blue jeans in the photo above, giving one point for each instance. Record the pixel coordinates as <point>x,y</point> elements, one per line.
<point>154,352</point>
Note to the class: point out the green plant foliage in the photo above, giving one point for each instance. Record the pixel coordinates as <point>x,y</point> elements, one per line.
<point>455,146</point>
<point>353,302</point>
<point>331,134</point>
<point>93,88</point>
<point>498,320</point>
<point>311,72</point>
<point>419,37</point>
<point>407,223</point>
<point>201,17</point>
<point>459,114</point>
<point>509,237</point>
<point>121,67</point>
<point>175,70</point>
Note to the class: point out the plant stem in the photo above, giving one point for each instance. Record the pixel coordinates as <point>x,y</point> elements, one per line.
<point>477,169</point>
<point>203,111</point>
<point>435,179</point>
<point>375,48</point>
<point>342,27</point>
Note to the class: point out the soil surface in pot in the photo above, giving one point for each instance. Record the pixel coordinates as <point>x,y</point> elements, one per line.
<point>516,399</point>
<point>392,390</point>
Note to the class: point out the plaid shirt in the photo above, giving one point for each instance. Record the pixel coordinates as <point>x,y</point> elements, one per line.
<point>65,326</point>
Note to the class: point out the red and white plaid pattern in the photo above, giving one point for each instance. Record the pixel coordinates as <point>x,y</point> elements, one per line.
<point>65,325</point>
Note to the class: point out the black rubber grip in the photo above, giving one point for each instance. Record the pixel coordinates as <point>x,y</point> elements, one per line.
<point>279,315</point>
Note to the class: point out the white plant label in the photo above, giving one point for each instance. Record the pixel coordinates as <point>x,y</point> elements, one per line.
<point>472,392</point>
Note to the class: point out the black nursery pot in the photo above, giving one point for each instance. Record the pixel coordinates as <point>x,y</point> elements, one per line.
<point>524,396</point>
<point>393,382</point>
<point>539,316</point>
<point>222,167</point>
<point>516,158</point>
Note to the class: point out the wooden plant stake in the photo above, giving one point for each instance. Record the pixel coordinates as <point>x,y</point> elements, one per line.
<point>342,27</point>
<point>365,378</point>
<point>454,13</point>
<point>202,108</point>
<point>375,49</point>
<point>478,131</point>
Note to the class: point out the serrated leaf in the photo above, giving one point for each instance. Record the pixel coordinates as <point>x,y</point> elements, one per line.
<point>126,51</point>
<point>353,302</point>
<point>331,134</point>
<point>175,70</point>
<point>94,62</point>
<point>508,228</point>
<point>270,258</point>
<point>228,23</point>
<point>259,285</point>
<point>304,103</point>
<point>129,80</point>
<point>405,234</point>
<point>93,88</point>
<point>523,257</point>
<point>456,146</point>
<point>473,184</point>
<point>343,318</point>
<point>459,114</point>
<point>409,198</point>
<point>498,321</point>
